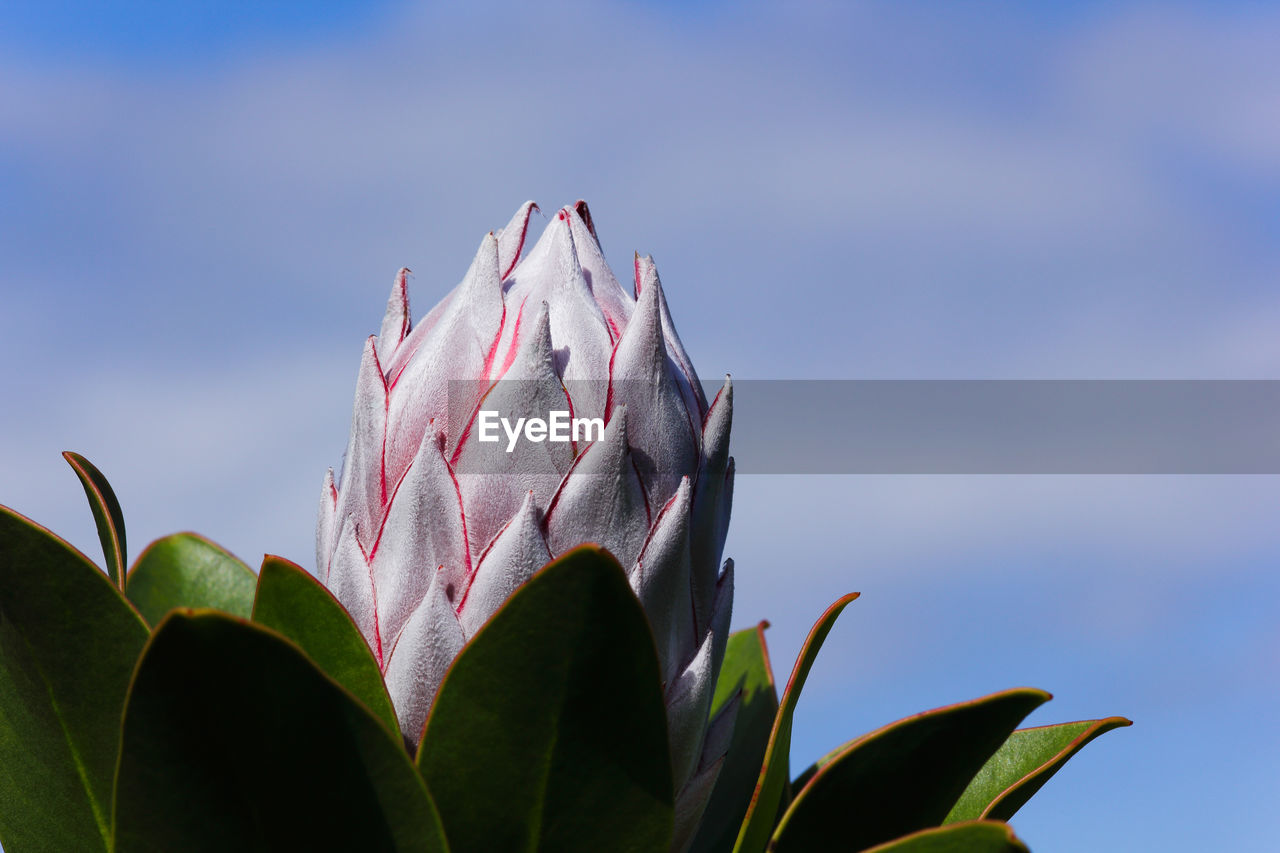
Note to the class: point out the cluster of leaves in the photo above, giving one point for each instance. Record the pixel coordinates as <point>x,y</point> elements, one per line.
<point>187,704</point>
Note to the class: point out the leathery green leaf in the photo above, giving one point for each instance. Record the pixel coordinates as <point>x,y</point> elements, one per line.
<point>903,777</point>
<point>292,602</point>
<point>549,730</point>
<point>187,570</point>
<point>234,740</point>
<point>68,645</point>
<point>107,515</point>
<point>1027,760</point>
<point>771,783</point>
<point>980,836</point>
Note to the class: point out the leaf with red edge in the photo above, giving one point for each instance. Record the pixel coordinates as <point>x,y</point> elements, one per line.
<point>68,644</point>
<point>747,674</point>
<point>107,515</point>
<point>234,740</point>
<point>549,731</point>
<point>979,836</point>
<point>772,781</point>
<point>903,777</point>
<point>1027,760</point>
<point>187,570</point>
<point>292,602</point>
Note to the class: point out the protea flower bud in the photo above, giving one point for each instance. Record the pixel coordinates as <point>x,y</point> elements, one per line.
<point>429,530</point>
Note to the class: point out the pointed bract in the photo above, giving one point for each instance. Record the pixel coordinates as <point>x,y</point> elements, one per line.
<point>511,238</point>
<point>688,703</point>
<point>660,578</point>
<point>515,554</point>
<point>690,387</point>
<point>409,555</point>
<point>447,373</point>
<point>361,494</point>
<point>352,583</point>
<point>615,303</point>
<point>326,522</point>
<point>395,323</point>
<point>664,440</point>
<point>493,481</point>
<point>601,499</point>
<point>691,801</point>
<point>711,502</point>
<point>420,658</point>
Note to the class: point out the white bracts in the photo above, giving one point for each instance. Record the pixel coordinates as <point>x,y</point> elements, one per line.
<point>433,524</point>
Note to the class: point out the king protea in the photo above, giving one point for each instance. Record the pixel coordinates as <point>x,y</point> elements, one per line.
<point>428,531</point>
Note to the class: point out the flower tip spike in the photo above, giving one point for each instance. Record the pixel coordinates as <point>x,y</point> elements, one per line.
<point>396,322</point>
<point>511,238</point>
<point>584,212</point>
<point>484,278</point>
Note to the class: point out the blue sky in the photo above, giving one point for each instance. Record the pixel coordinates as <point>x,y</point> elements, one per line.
<point>203,210</point>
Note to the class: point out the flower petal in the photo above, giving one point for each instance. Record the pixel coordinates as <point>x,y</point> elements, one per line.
<point>688,703</point>
<point>710,504</point>
<point>448,372</point>
<point>615,303</point>
<point>719,736</point>
<point>664,441</point>
<point>395,323</point>
<point>660,578</point>
<point>515,554</point>
<point>362,489</point>
<point>351,583</point>
<point>511,238</point>
<point>420,658</point>
<point>721,612</point>
<point>325,525</point>
<point>422,539</point>
<point>494,482</point>
<point>601,499</point>
<point>690,387</point>
<point>552,272</point>
<point>691,802</point>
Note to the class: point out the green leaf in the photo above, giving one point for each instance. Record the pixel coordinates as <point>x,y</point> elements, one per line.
<point>234,740</point>
<point>106,514</point>
<point>771,783</point>
<point>549,731</point>
<point>903,777</point>
<point>187,570</point>
<point>981,836</point>
<point>746,673</point>
<point>292,602</point>
<point>68,644</point>
<point>1027,760</point>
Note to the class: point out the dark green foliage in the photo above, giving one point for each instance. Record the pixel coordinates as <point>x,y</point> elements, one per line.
<point>549,731</point>
<point>1025,762</point>
<point>772,782</point>
<point>904,777</point>
<point>234,740</point>
<point>187,570</point>
<point>295,604</point>
<point>68,643</point>
<point>107,515</point>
